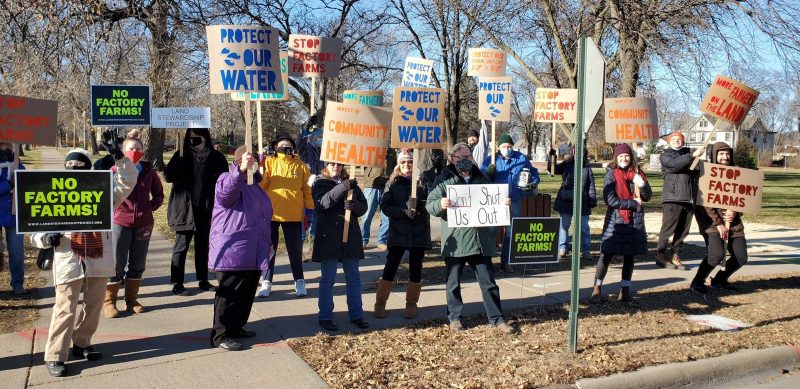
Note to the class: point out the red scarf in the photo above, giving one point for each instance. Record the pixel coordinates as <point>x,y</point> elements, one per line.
<point>623,179</point>
<point>87,244</point>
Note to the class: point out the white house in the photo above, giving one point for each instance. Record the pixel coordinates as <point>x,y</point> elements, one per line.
<point>753,128</point>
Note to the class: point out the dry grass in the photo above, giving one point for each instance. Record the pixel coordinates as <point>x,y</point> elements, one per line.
<point>613,338</point>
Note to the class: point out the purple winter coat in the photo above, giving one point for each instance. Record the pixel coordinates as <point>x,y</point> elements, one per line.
<point>240,224</point>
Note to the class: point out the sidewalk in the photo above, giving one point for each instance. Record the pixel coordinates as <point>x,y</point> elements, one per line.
<point>168,346</point>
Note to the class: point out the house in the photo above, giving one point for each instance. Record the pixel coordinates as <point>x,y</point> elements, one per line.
<point>753,128</point>
<point>761,136</point>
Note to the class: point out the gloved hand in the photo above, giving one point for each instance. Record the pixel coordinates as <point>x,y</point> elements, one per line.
<point>552,152</point>
<point>491,170</point>
<point>349,204</point>
<point>638,180</point>
<point>53,239</point>
<point>410,213</point>
<point>350,184</point>
<point>112,145</point>
<point>411,203</point>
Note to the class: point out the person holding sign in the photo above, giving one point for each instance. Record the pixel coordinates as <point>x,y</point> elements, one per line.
<point>507,169</point>
<point>625,190</point>
<point>14,241</point>
<point>82,260</point>
<point>409,230</point>
<point>133,224</point>
<point>563,204</point>
<point>238,249</point>
<point>466,245</point>
<point>677,199</point>
<point>330,202</point>
<point>193,175</point>
<point>723,231</point>
<point>286,183</point>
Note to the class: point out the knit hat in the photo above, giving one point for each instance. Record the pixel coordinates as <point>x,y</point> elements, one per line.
<point>622,148</point>
<point>473,133</point>
<point>81,155</point>
<point>505,138</point>
<point>404,154</point>
<point>678,134</point>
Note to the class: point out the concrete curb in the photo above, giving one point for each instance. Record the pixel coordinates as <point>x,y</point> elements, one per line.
<point>738,364</point>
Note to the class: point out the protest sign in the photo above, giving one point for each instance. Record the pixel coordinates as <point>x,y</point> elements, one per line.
<point>534,240</point>
<point>729,100</point>
<point>26,120</point>
<point>63,200</point>
<point>729,187</point>
<point>556,106</point>
<point>494,98</point>
<point>355,135</point>
<point>483,62</point>
<point>480,205</point>
<point>314,56</point>
<point>120,105</point>
<point>243,58</point>
<point>630,120</point>
<point>372,98</point>
<point>417,72</point>
<point>269,96</point>
<point>418,119</point>
<point>182,117</point>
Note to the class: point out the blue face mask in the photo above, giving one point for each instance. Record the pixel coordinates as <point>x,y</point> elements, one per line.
<point>505,152</point>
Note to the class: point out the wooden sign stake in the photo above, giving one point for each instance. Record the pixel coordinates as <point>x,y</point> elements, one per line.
<point>494,143</point>
<point>346,229</point>
<point>248,136</point>
<point>705,144</point>
<point>10,176</point>
<point>553,145</point>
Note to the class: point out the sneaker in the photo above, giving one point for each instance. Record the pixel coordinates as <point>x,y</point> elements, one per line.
<point>300,288</point>
<point>456,326</point>
<point>562,253</point>
<point>56,369</point>
<point>329,325</point>
<point>180,290</point>
<point>266,289</point>
<point>662,261</point>
<point>724,286</point>
<point>18,291</point>
<point>677,264</point>
<point>88,353</point>
<point>505,328</point>
<point>699,288</point>
<point>229,344</point>
<point>360,323</point>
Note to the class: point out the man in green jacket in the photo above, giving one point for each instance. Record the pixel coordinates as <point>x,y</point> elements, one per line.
<point>466,245</point>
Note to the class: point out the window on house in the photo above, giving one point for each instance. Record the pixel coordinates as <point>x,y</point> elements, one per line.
<point>703,123</point>
<point>727,137</point>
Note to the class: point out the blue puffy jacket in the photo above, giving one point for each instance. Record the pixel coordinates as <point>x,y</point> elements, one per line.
<point>507,172</point>
<point>6,218</point>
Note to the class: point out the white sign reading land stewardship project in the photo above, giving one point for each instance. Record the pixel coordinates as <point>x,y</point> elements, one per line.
<point>356,135</point>
<point>630,119</point>
<point>556,106</point>
<point>417,72</point>
<point>494,98</point>
<point>418,119</point>
<point>479,205</point>
<point>486,63</point>
<point>243,58</point>
<point>729,100</point>
<point>181,117</point>
<point>730,187</point>
<point>314,56</point>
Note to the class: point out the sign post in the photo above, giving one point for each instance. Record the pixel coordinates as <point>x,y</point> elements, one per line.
<point>591,84</point>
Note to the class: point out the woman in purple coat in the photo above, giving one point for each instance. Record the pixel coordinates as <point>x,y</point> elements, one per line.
<point>238,249</point>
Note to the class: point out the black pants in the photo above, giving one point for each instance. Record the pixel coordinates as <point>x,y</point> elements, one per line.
<point>605,260</point>
<point>393,257</point>
<point>233,302</point>
<point>201,232</point>
<point>292,235</point>
<point>737,247</point>
<point>675,223</point>
<point>484,271</point>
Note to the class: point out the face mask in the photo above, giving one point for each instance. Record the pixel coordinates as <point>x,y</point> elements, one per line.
<point>195,141</point>
<point>287,150</point>
<point>6,155</point>
<point>464,165</point>
<point>134,155</point>
<point>624,165</point>
<point>505,152</point>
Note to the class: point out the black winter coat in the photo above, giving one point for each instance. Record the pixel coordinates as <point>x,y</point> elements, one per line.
<point>405,232</point>
<point>180,173</point>
<point>563,202</point>
<point>679,181</point>
<point>620,238</point>
<point>329,197</point>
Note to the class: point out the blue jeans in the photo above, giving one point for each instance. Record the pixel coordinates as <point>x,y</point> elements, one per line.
<point>16,256</point>
<point>374,204</point>
<point>353,281</point>
<point>563,235</point>
<point>515,212</point>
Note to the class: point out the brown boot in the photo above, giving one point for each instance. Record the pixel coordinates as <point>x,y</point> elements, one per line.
<point>662,261</point>
<point>384,289</point>
<point>676,262</point>
<point>625,294</point>
<point>110,303</point>
<point>597,295</point>
<point>132,295</point>
<point>412,297</point>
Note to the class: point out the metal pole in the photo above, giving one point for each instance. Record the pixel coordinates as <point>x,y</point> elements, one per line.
<point>577,200</point>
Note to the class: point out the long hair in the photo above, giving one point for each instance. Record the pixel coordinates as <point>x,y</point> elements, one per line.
<point>204,132</point>
<point>327,174</point>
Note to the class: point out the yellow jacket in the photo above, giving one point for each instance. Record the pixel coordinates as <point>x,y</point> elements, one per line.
<point>286,183</point>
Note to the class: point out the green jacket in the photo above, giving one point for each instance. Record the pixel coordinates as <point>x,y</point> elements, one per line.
<point>460,241</point>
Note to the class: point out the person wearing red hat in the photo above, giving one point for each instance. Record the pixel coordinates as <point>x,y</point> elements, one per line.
<point>677,200</point>
<point>623,228</point>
